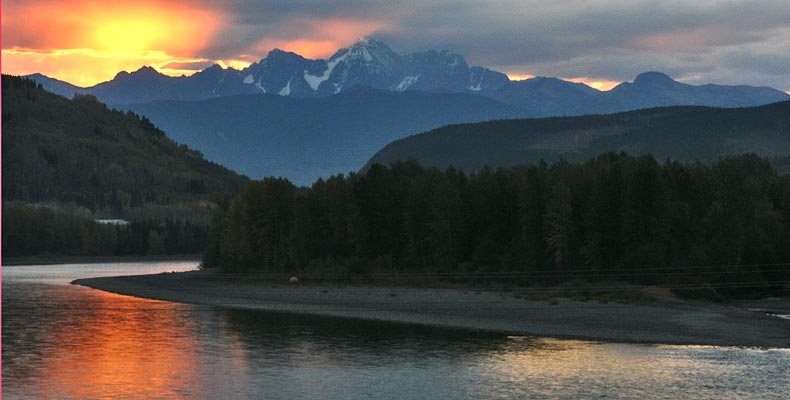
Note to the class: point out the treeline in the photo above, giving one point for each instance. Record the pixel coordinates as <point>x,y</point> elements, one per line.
<point>39,231</point>
<point>613,217</point>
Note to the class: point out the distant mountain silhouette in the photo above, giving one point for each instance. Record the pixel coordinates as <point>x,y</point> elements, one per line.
<point>655,89</point>
<point>371,63</point>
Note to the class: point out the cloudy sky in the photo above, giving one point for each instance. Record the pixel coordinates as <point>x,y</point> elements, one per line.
<point>599,42</point>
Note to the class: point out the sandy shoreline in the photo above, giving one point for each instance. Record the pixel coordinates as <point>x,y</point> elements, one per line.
<point>666,321</point>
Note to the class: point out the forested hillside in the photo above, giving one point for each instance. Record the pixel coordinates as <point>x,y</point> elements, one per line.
<point>614,217</point>
<point>68,162</point>
<point>81,152</point>
<point>677,133</point>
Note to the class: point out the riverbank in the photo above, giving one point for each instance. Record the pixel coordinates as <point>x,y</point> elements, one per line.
<point>49,260</point>
<point>666,320</point>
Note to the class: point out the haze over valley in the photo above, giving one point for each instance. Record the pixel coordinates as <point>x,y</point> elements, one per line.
<point>302,119</point>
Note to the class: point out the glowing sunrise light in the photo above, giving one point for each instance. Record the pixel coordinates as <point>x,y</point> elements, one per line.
<point>238,64</point>
<point>599,84</point>
<point>235,64</point>
<point>518,76</point>
<point>87,41</point>
<point>173,29</point>
<point>127,34</point>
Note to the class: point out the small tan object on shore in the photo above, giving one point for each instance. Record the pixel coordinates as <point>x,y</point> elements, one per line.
<point>294,280</point>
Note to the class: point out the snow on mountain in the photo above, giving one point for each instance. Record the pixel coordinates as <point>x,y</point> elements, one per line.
<point>286,91</point>
<point>407,82</point>
<point>485,79</point>
<point>372,64</point>
<point>367,63</point>
<point>316,81</point>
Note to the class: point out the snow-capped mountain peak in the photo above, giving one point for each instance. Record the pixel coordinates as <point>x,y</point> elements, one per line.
<point>366,63</point>
<point>371,51</point>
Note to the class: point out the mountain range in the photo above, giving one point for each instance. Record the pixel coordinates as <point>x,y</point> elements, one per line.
<point>368,63</point>
<point>299,118</point>
<point>371,63</point>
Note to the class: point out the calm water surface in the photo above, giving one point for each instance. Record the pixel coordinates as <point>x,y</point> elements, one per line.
<point>62,341</point>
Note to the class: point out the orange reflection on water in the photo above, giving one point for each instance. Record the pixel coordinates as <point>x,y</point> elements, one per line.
<point>123,347</point>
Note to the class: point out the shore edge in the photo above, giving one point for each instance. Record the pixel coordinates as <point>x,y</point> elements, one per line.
<point>671,322</point>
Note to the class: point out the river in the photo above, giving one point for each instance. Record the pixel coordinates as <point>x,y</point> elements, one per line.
<point>61,341</point>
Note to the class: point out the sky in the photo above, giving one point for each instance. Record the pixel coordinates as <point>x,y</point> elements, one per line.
<point>598,42</point>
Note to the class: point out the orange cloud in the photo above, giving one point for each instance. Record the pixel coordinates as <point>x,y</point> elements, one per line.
<point>88,41</point>
<point>117,26</point>
<point>323,37</point>
<point>306,48</point>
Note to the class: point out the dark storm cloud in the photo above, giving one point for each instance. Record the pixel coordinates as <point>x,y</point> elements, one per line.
<point>724,41</point>
<point>273,11</point>
<point>255,21</point>
<point>529,33</point>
